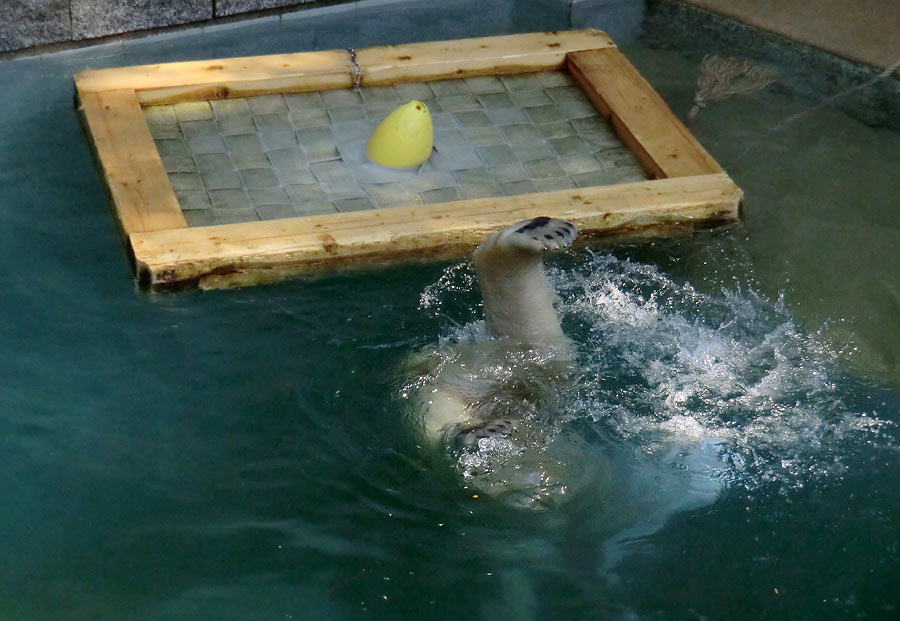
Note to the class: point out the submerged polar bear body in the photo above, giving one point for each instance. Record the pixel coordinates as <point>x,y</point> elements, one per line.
<point>521,321</point>
<point>488,402</point>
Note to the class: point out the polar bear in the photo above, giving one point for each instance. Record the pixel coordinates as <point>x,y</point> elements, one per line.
<point>485,402</point>
<point>520,319</point>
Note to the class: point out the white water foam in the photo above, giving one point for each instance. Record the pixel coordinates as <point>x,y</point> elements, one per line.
<point>678,394</point>
<point>666,364</point>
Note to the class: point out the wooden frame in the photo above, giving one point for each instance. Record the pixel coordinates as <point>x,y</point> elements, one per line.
<point>688,189</point>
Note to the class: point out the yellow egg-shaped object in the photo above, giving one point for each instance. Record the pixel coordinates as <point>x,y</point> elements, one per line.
<point>404,139</point>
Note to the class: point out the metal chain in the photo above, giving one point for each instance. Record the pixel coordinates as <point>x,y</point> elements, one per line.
<point>357,70</point>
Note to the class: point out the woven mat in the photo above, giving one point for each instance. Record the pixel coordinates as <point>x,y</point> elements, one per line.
<point>280,156</point>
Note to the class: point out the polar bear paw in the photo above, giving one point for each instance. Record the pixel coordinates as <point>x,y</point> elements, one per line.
<point>468,437</point>
<point>538,235</point>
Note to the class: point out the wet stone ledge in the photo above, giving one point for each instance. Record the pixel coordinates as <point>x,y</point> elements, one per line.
<point>869,94</point>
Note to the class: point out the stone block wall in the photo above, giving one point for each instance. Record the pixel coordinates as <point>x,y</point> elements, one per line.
<point>29,23</point>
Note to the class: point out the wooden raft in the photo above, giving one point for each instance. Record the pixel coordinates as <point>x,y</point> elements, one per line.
<point>688,190</point>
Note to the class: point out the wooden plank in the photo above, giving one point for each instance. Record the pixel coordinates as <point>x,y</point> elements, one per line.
<point>639,115</point>
<point>134,173</point>
<point>259,251</point>
<point>231,77</point>
<point>503,55</point>
<point>314,71</point>
<point>222,90</point>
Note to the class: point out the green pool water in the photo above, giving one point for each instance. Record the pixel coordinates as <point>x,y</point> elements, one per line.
<point>244,454</point>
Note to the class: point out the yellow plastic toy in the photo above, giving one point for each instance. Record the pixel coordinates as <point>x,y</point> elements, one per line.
<point>404,139</point>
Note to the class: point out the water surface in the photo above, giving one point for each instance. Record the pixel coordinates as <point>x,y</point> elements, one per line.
<point>241,454</point>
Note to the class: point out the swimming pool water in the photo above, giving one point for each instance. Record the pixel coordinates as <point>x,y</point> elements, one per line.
<point>242,454</point>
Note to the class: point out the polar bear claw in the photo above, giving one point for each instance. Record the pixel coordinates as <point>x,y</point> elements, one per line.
<point>468,436</point>
<point>534,236</point>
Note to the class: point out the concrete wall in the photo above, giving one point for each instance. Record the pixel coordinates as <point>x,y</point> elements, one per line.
<point>30,23</point>
<point>27,23</point>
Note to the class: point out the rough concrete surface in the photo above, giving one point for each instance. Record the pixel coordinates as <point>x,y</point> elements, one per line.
<point>97,18</point>
<point>224,8</point>
<point>26,23</point>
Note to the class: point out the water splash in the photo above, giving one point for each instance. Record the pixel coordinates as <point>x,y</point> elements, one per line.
<point>664,363</point>
<point>449,297</point>
<point>723,386</point>
<point>678,395</point>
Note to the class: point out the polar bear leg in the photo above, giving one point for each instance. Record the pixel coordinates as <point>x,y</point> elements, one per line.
<point>518,300</point>
<point>518,303</point>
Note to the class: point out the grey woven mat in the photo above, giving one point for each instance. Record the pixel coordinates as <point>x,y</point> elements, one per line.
<point>280,156</point>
